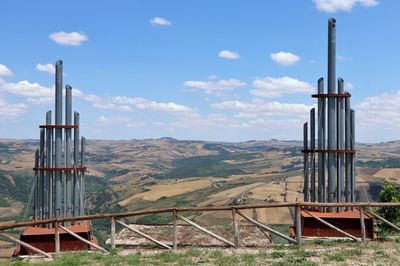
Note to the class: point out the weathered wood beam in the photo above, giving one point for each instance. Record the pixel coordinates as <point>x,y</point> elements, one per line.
<point>235,229</point>
<point>362,224</point>
<point>112,233</point>
<point>144,235</point>
<point>269,229</point>
<point>83,240</point>
<point>206,231</point>
<point>16,240</point>
<point>298,225</point>
<point>166,210</point>
<point>384,220</point>
<point>332,226</point>
<point>175,231</point>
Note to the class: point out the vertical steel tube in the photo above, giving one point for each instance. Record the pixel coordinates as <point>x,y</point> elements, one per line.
<point>331,110</point>
<point>76,164</point>
<point>68,150</point>
<point>348,168</point>
<point>49,144</point>
<point>321,142</point>
<point>312,148</point>
<point>305,161</point>
<point>353,145</point>
<point>41,175</point>
<point>340,142</point>
<point>36,192</point>
<point>58,139</point>
<point>82,176</point>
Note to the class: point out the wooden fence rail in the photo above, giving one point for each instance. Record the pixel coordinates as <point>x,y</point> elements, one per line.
<point>364,207</point>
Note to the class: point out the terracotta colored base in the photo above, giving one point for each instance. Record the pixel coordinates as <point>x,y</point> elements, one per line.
<point>44,239</point>
<point>348,221</point>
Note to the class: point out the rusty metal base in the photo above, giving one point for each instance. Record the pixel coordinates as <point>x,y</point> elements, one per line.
<point>44,239</point>
<point>348,221</point>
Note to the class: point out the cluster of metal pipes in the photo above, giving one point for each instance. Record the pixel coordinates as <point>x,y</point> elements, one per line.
<point>59,173</point>
<point>336,139</point>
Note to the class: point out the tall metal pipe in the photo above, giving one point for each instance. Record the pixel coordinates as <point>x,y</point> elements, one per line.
<point>41,175</point>
<point>305,166</point>
<point>58,139</point>
<point>321,142</point>
<point>36,190</point>
<point>82,176</point>
<point>68,150</point>
<point>312,157</point>
<point>341,142</point>
<point>76,164</point>
<point>49,144</point>
<point>353,145</point>
<point>348,170</point>
<point>331,110</point>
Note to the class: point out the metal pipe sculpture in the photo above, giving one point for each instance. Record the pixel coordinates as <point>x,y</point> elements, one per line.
<point>340,121</point>
<point>66,186</point>
<point>321,142</point>
<point>331,109</point>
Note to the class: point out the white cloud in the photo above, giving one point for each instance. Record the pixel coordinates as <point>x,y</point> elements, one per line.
<point>214,85</point>
<point>285,58</point>
<point>229,54</point>
<point>5,71</point>
<point>141,103</point>
<point>49,68</point>
<point>265,108</point>
<point>27,89</point>
<point>8,111</point>
<point>331,6</point>
<point>275,87</point>
<point>160,21</point>
<point>343,58</point>
<point>35,93</point>
<point>348,86</point>
<point>68,38</point>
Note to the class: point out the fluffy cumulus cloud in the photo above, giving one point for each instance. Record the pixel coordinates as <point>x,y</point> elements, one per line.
<point>68,38</point>
<point>34,92</point>
<point>141,103</point>
<point>49,68</point>
<point>5,71</point>
<point>274,87</point>
<point>160,21</point>
<point>285,58</point>
<point>383,109</point>
<point>8,110</point>
<point>331,6</point>
<point>214,86</point>
<point>229,54</point>
<point>249,110</point>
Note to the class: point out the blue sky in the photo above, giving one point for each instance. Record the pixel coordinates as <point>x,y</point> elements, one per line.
<point>209,70</point>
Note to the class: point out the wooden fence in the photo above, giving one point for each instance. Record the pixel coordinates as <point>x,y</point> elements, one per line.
<point>363,207</point>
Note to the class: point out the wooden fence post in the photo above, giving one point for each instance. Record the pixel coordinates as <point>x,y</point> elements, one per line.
<point>298,224</point>
<point>57,238</point>
<point>112,233</point>
<point>175,231</point>
<point>235,228</point>
<point>362,224</point>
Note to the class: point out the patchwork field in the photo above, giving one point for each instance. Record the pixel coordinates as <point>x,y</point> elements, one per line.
<point>135,175</point>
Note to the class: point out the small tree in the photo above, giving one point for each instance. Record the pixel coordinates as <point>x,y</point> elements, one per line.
<point>390,193</point>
